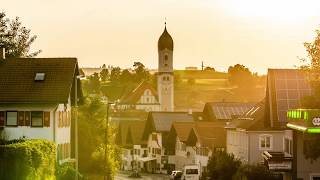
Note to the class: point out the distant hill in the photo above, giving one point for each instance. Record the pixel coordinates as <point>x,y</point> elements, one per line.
<point>198,74</point>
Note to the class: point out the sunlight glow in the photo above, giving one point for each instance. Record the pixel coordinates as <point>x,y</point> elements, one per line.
<point>274,9</point>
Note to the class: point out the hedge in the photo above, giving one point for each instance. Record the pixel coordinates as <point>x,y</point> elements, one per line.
<point>27,160</point>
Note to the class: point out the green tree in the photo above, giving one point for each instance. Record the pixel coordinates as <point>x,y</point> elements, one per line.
<point>240,76</point>
<point>222,166</point>
<point>312,143</point>
<point>126,76</point>
<point>141,73</point>
<point>104,74</point>
<point>92,126</point>
<point>15,38</point>
<point>115,74</point>
<point>253,172</point>
<point>93,84</point>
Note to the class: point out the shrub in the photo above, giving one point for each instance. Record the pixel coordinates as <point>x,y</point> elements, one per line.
<point>27,159</point>
<point>222,166</point>
<point>66,171</point>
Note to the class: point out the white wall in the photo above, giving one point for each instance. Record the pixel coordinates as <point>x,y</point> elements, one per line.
<point>237,144</point>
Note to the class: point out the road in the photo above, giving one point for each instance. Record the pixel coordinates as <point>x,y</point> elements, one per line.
<point>124,176</point>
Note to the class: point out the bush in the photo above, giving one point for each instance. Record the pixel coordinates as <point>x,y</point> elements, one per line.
<point>27,159</point>
<point>222,166</point>
<point>66,171</point>
<point>253,172</point>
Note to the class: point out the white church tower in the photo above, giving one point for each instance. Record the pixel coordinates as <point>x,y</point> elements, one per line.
<point>165,71</point>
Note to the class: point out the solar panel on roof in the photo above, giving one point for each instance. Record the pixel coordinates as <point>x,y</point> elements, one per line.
<point>290,87</point>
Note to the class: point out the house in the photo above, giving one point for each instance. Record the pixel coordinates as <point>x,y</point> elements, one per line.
<point>203,139</point>
<point>36,98</point>
<point>193,142</point>
<point>144,97</point>
<point>156,131</point>
<point>261,133</point>
<point>129,138</point>
<point>305,124</point>
<point>225,110</point>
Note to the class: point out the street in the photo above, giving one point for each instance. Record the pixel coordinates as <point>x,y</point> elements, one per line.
<point>125,176</point>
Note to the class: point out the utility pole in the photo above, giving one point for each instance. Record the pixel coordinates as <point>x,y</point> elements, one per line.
<point>202,66</point>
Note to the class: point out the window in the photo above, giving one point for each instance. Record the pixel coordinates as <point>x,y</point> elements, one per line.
<point>166,57</point>
<point>165,65</point>
<point>39,76</point>
<point>36,119</point>
<point>265,142</point>
<point>147,99</point>
<point>288,145</point>
<point>12,117</point>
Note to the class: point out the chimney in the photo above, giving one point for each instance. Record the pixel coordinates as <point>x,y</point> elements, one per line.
<point>2,53</point>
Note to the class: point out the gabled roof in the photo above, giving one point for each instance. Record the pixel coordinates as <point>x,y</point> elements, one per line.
<point>208,134</point>
<point>285,89</point>
<point>130,133</point>
<point>225,110</point>
<point>162,121</point>
<point>134,96</point>
<point>182,129</point>
<point>18,84</point>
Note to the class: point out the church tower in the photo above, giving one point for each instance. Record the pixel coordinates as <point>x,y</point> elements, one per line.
<point>165,71</point>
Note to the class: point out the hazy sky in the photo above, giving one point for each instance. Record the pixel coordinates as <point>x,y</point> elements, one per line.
<point>258,34</point>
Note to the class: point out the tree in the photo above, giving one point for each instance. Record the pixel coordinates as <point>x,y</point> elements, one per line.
<point>115,74</point>
<point>126,76</point>
<point>15,38</point>
<point>92,117</point>
<point>222,166</point>
<point>253,172</point>
<point>312,143</point>
<point>94,84</point>
<point>208,68</point>
<point>104,74</point>
<point>240,76</point>
<point>140,72</point>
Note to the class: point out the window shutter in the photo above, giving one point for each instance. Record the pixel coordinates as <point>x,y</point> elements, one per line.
<point>2,118</point>
<point>64,119</point>
<point>21,118</point>
<point>60,119</point>
<point>27,116</point>
<point>46,121</point>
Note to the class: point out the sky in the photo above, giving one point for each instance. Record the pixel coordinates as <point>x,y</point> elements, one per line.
<point>259,34</point>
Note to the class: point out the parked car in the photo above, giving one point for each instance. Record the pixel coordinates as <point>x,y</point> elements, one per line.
<point>175,175</point>
<point>191,172</point>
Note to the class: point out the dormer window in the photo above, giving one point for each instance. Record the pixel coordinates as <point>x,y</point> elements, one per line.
<point>39,76</point>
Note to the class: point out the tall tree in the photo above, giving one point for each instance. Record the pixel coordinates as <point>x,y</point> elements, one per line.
<point>104,74</point>
<point>15,38</point>
<point>240,76</point>
<point>141,72</point>
<point>115,74</point>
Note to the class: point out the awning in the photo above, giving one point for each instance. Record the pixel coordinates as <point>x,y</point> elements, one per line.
<point>145,159</point>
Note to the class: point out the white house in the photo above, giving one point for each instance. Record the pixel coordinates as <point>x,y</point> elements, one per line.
<point>36,96</point>
<point>144,97</point>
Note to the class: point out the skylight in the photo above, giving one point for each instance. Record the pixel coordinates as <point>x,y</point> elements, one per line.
<point>39,76</point>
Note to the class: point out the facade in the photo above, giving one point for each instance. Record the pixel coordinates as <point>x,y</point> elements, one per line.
<point>165,72</point>
<point>305,124</point>
<point>144,98</point>
<point>36,100</point>
<point>156,133</point>
<point>129,138</point>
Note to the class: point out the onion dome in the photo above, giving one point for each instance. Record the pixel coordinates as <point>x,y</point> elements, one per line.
<point>165,41</point>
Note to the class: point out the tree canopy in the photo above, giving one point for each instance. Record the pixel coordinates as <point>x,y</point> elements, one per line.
<point>16,38</point>
<point>241,76</point>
